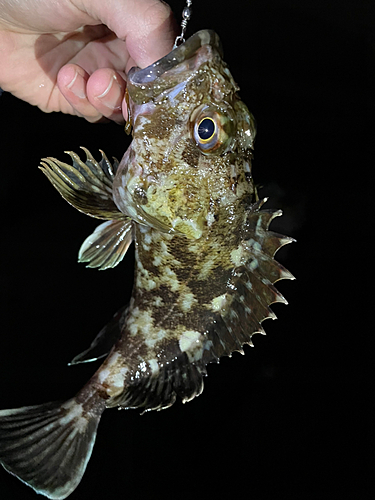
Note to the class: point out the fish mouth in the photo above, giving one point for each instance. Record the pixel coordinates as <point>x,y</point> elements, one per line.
<point>145,84</point>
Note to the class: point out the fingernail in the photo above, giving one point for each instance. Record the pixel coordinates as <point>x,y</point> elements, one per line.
<point>112,95</point>
<point>78,86</point>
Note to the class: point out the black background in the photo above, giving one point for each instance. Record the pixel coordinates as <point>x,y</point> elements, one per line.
<point>292,418</point>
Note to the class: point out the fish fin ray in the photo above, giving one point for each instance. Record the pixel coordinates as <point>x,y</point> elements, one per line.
<point>107,245</point>
<point>159,390</point>
<point>48,446</point>
<point>87,186</point>
<point>104,341</point>
<point>247,302</point>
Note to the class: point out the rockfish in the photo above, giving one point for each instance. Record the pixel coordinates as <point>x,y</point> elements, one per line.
<point>204,266</point>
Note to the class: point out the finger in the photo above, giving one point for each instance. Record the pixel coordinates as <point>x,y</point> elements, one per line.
<point>152,34</point>
<point>104,52</point>
<point>105,92</point>
<point>72,82</point>
<point>147,26</point>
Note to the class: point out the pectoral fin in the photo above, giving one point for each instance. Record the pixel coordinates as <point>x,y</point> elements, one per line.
<point>85,185</point>
<point>107,245</point>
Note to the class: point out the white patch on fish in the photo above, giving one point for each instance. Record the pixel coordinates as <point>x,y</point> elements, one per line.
<point>188,340</point>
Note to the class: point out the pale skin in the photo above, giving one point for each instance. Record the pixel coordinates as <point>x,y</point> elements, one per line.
<point>72,55</point>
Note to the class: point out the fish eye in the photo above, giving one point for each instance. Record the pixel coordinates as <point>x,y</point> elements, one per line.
<point>206,129</point>
<point>213,129</point>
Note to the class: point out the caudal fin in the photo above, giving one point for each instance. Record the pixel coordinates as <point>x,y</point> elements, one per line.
<point>48,446</point>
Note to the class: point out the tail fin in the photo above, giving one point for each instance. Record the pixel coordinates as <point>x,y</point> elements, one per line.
<point>48,446</point>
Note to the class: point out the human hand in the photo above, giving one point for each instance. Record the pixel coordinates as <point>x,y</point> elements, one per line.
<point>72,55</point>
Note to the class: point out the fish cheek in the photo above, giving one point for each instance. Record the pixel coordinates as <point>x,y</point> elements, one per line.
<point>159,125</point>
<point>191,154</point>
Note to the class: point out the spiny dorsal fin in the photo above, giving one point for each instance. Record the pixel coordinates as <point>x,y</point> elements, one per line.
<point>251,292</point>
<point>87,186</point>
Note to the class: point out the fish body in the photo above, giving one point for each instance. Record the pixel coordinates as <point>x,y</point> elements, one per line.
<point>204,266</point>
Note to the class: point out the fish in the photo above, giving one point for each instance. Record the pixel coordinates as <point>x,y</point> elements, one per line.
<point>205,270</point>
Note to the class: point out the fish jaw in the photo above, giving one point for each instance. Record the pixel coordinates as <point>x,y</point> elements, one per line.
<point>166,73</point>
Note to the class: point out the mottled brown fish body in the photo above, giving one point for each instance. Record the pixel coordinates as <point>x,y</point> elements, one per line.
<point>204,260</point>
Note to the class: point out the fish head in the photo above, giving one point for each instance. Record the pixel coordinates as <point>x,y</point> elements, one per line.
<point>189,160</point>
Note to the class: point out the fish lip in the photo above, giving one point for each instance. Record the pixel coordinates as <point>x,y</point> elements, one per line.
<point>138,77</point>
